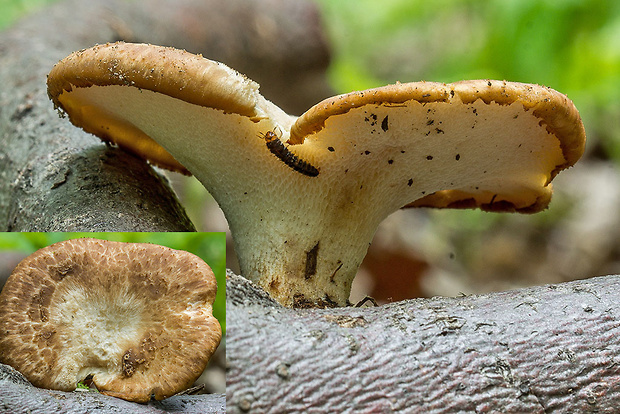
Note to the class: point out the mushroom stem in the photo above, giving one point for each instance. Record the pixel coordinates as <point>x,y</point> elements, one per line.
<point>303,256</point>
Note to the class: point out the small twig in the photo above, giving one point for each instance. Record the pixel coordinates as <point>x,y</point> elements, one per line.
<point>193,390</point>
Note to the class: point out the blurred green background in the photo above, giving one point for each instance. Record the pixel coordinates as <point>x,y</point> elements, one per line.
<point>13,9</point>
<point>211,247</point>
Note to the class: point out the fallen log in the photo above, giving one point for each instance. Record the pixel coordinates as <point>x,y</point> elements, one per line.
<point>542,349</point>
<point>17,396</point>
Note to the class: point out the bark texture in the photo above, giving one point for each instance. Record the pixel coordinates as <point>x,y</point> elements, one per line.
<point>18,396</point>
<point>550,349</point>
<point>54,177</point>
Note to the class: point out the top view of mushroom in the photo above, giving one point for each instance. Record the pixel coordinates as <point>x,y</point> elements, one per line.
<point>135,320</point>
<point>303,196</point>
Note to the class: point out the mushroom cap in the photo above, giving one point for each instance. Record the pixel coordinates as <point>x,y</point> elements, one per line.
<point>471,113</point>
<point>135,316</point>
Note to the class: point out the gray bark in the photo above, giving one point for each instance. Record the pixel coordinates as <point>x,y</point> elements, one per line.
<point>544,349</point>
<point>54,177</point>
<point>18,396</point>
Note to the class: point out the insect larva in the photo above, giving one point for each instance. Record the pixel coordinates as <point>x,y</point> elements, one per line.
<point>278,149</point>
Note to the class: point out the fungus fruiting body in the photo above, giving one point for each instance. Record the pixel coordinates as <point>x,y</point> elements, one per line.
<point>493,145</point>
<point>135,317</point>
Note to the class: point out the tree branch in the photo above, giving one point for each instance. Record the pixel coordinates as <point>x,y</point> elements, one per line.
<point>543,349</point>
<point>17,395</point>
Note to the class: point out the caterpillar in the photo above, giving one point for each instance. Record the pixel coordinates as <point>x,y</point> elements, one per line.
<point>278,149</point>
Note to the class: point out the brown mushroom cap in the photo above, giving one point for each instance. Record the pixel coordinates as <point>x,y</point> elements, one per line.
<point>74,83</point>
<point>135,316</point>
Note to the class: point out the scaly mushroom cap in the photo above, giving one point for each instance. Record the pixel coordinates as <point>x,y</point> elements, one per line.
<point>303,196</point>
<point>137,317</point>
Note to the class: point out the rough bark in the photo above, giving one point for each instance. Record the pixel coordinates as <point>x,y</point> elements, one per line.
<point>53,176</point>
<point>18,396</point>
<point>537,350</point>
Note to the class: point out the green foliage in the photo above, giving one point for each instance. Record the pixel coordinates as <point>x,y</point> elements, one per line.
<point>211,247</point>
<point>81,386</point>
<point>547,42</point>
<point>10,10</point>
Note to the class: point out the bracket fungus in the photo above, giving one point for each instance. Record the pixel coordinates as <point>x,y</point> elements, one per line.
<point>302,211</point>
<point>136,317</point>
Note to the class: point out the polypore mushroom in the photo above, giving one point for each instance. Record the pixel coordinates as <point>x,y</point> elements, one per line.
<point>136,317</point>
<point>303,196</point>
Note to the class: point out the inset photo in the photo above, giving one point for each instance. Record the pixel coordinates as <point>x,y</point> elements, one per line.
<point>136,316</point>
